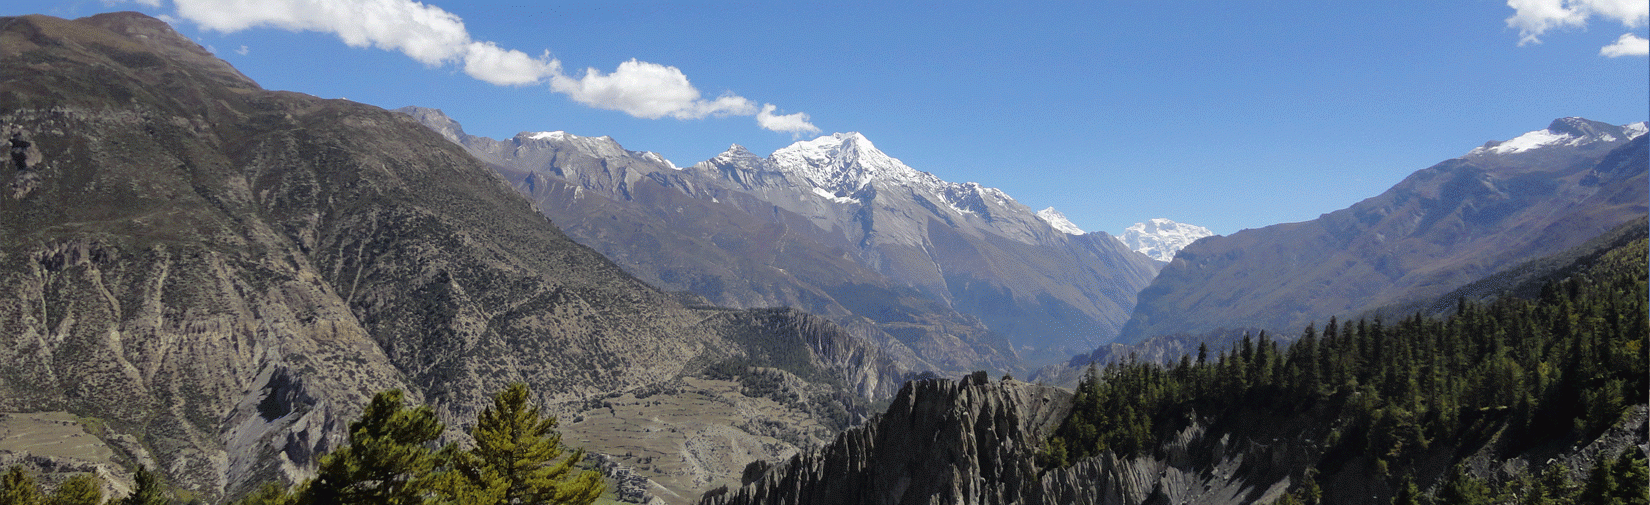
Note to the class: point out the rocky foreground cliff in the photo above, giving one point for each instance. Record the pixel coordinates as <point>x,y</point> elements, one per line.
<point>213,278</point>
<point>977,441</point>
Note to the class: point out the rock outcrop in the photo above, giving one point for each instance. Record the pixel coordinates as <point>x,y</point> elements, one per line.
<point>950,442</point>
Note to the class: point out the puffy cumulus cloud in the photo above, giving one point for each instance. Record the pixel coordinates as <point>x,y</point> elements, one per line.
<point>647,90</point>
<point>1627,45</point>
<point>796,124</point>
<point>1534,18</point>
<point>507,67</point>
<point>436,37</point>
<point>424,32</point>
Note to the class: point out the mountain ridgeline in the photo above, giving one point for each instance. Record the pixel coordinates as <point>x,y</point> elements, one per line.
<point>950,276</point>
<point>216,277</point>
<point>1442,227</point>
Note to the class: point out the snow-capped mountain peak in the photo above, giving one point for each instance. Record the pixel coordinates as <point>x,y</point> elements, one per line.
<point>1161,238</point>
<point>1057,220</point>
<point>842,163</point>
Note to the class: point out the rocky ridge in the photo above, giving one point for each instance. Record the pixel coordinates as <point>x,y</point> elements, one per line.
<point>957,276</point>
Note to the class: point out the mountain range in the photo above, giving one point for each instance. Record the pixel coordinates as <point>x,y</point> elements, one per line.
<point>1462,219</point>
<point>954,276</point>
<point>209,279</point>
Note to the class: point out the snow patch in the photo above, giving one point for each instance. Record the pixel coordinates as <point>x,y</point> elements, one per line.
<point>832,197</point>
<point>656,158</point>
<point>1532,140</point>
<point>555,135</point>
<point>1634,130</point>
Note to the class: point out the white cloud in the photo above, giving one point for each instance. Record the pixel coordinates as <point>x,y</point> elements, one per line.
<point>796,124</point>
<point>507,67</point>
<point>1628,45</point>
<point>243,50</point>
<point>647,90</point>
<point>436,37</point>
<point>424,32</point>
<point>1534,18</point>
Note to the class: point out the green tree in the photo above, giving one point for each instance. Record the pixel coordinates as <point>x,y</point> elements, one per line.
<point>149,490</point>
<point>271,493</point>
<point>17,487</point>
<point>82,489</point>
<point>1619,481</point>
<point>388,460</point>
<point>1408,494</point>
<point>1464,489</point>
<point>519,457</point>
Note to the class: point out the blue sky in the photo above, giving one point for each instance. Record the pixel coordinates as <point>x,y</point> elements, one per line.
<point>1228,115</point>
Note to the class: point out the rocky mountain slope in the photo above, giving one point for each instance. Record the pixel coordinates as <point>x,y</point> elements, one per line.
<point>218,276</point>
<point>1161,238</point>
<point>960,275</point>
<point>1442,227</point>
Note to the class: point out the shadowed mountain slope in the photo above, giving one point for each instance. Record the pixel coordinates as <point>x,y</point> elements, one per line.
<point>1442,227</point>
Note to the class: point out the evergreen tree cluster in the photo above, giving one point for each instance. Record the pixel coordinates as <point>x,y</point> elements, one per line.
<point>1567,364</point>
<point>17,487</point>
<point>392,459</point>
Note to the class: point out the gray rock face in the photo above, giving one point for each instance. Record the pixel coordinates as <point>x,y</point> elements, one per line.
<point>940,441</point>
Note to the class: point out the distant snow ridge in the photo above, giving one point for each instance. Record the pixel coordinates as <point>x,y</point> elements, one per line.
<point>1161,238</point>
<point>839,165</point>
<point>1570,131</point>
<point>1059,221</point>
<point>600,147</point>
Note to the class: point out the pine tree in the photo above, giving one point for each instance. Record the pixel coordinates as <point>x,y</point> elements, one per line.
<point>517,450</point>
<point>1464,489</point>
<point>1408,494</point>
<point>149,490</point>
<point>17,487</point>
<point>81,489</point>
<point>387,461</point>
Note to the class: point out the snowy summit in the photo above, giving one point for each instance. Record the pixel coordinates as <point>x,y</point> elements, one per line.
<point>1161,238</point>
<point>1570,131</point>
<point>1059,221</point>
